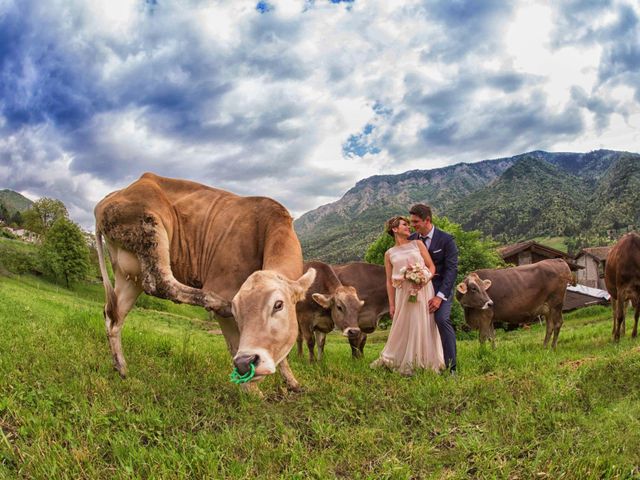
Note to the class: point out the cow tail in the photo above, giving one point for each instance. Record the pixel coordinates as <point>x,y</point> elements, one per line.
<point>111,307</point>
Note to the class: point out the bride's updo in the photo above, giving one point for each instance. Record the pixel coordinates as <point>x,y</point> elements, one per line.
<point>392,223</point>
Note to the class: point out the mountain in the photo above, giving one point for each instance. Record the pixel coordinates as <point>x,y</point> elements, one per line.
<point>14,202</point>
<point>533,194</point>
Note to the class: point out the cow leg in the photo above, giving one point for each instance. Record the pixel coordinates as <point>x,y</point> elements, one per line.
<point>557,324</point>
<point>549,326</point>
<point>634,334</point>
<point>299,342</point>
<point>613,315</point>
<point>354,343</point>
<point>619,313</point>
<point>363,342</point>
<point>158,279</point>
<point>230,332</point>
<point>320,338</point>
<point>285,370</point>
<point>126,291</point>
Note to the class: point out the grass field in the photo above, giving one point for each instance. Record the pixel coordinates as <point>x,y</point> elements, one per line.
<point>517,412</point>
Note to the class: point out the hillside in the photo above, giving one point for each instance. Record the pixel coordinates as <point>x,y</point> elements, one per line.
<point>532,198</point>
<point>509,199</point>
<point>14,202</point>
<point>518,411</point>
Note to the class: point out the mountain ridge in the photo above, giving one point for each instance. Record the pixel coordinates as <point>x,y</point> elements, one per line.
<point>563,186</point>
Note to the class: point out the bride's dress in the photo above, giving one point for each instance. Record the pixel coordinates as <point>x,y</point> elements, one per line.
<point>414,341</point>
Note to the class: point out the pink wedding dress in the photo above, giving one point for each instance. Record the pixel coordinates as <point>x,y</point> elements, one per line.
<point>414,341</point>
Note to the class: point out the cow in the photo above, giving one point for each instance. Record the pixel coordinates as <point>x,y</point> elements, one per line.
<point>370,282</point>
<point>238,257</point>
<point>515,295</point>
<point>622,279</point>
<point>327,305</point>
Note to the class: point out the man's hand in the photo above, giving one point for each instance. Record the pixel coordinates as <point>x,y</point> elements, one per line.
<point>434,304</point>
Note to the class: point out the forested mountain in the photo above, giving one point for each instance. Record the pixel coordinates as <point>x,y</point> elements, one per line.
<point>509,199</point>
<point>14,202</point>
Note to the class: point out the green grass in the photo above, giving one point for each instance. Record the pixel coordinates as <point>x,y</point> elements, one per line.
<point>517,412</point>
<point>559,243</point>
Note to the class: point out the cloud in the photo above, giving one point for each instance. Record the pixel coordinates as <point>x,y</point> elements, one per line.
<point>298,100</point>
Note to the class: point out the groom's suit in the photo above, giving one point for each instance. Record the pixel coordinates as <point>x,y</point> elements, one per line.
<point>444,253</point>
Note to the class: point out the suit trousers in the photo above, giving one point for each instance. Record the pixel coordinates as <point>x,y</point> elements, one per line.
<point>447,333</point>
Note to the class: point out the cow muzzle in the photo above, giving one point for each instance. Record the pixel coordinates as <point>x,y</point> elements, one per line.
<point>351,332</point>
<point>487,305</point>
<point>243,363</point>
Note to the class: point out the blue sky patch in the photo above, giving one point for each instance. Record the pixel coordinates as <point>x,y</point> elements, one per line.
<point>264,7</point>
<point>359,145</point>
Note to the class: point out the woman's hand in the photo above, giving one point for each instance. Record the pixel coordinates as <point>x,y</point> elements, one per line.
<point>392,311</point>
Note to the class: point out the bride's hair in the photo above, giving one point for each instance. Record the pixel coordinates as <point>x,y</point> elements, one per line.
<point>392,223</point>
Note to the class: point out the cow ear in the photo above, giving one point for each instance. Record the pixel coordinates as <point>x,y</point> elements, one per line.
<point>301,286</point>
<point>323,300</point>
<point>486,284</point>
<point>462,288</point>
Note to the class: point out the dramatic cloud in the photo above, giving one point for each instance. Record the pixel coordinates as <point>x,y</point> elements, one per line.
<point>298,100</point>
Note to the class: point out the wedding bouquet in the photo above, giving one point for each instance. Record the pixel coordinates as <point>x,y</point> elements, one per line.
<point>417,276</point>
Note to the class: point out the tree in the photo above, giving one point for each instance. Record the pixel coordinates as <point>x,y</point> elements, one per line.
<point>64,251</point>
<point>473,253</point>
<point>16,219</point>
<point>43,213</point>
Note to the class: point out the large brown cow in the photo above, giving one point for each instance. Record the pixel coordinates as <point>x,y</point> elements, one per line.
<point>515,295</point>
<point>370,282</point>
<point>622,278</point>
<point>236,256</point>
<point>327,305</point>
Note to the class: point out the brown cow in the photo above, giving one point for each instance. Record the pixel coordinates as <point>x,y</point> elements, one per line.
<point>327,305</point>
<point>370,282</point>
<point>514,296</point>
<point>236,256</point>
<point>622,278</point>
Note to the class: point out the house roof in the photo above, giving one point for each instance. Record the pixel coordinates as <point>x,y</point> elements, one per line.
<point>515,248</point>
<point>599,253</point>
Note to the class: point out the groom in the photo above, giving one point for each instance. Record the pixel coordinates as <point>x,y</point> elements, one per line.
<point>444,253</point>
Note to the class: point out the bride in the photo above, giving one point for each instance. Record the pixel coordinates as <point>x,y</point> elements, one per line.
<point>414,341</point>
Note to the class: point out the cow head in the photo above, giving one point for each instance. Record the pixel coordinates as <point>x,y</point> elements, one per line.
<point>472,292</point>
<point>344,305</point>
<point>265,311</point>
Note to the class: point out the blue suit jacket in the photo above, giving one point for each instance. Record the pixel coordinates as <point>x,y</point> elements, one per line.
<point>444,253</point>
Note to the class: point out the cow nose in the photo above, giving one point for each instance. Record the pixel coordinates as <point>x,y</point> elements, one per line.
<point>490,303</point>
<point>353,332</point>
<point>243,363</point>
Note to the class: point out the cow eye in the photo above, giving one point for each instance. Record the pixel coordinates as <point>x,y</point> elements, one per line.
<point>278,305</point>
<point>340,307</point>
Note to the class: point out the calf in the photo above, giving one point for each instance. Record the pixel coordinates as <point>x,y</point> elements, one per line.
<point>622,279</point>
<point>328,304</point>
<point>369,281</point>
<point>514,296</point>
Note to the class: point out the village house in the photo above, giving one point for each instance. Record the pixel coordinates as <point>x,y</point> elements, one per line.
<point>592,260</point>
<point>524,253</point>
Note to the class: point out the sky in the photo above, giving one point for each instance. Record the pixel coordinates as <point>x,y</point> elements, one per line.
<point>298,100</point>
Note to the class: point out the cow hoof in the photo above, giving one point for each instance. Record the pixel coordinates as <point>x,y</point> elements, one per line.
<point>297,388</point>
<point>252,389</point>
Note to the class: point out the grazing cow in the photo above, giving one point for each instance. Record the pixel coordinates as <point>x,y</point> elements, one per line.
<point>622,278</point>
<point>370,282</point>
<point>236,256</point>
<point>514,296</point>
<point>327,305</point>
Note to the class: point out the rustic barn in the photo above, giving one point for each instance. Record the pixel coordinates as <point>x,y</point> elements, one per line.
<point>579,296</point>
<point>593,261</point>
<point>524,253</point>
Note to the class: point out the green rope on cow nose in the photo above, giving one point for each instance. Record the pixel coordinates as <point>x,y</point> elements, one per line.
<point>238,379</point>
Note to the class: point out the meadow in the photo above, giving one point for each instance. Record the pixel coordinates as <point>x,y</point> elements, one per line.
<point>515,412</point>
